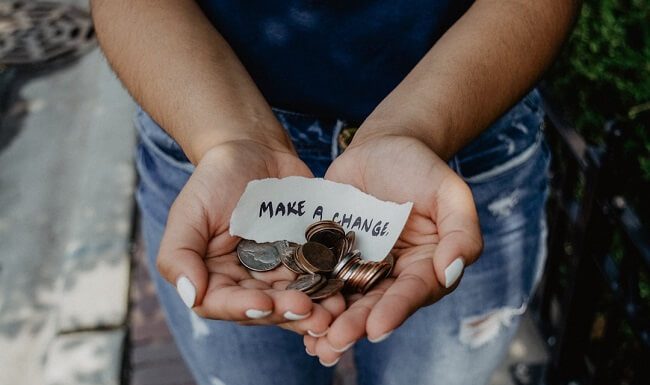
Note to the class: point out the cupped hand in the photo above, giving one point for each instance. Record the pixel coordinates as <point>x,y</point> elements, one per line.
<point>197,252</point>
<point>440,238</point>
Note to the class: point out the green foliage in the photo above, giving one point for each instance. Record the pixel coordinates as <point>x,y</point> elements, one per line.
<point>604,70</point>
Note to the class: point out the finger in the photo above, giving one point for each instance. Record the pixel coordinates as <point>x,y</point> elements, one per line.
<point>350,326</point>
<point>279,274</point>
<point>411,290</point>
<point>253,284</point>
<point>290,305</point>
<point>183,245</point>
<point>334,304</point>
<point>326,355</point>
<point>310,345</point>
<point>226,300</point>
<point>316,325</point>
<point>458,226</point>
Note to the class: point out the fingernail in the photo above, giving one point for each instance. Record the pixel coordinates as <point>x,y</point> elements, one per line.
<point>257,314</point>
<point>336,361</point>
<point>453,271</point>
<point>291,316</point>
<point>313,334</point>
<point>380,338</point>
<point>186,290</point>
<point>309,353</point>
<point>343,349</point>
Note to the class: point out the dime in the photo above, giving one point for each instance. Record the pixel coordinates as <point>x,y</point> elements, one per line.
<point>344,262</point>
<point>305,282</point>
<point>258,256</point>
<point>317,257</point>
<point>287,252</point>
<point>317,286</point>
<point>330,288</point>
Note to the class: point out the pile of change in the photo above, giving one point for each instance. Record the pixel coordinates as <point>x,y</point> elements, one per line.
<point>325,264</point>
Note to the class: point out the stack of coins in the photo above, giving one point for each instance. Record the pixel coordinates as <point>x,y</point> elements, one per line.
<point>326,263</point>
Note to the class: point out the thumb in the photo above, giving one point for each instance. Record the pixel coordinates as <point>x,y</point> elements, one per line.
<point>461,242</point>
<point>182,248</point>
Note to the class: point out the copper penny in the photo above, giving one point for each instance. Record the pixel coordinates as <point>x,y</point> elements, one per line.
<point>318,256</point>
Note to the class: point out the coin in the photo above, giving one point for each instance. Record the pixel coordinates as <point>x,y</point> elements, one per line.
<point>258,256</point>
<point>328,233</point>
<point>351,238</point>
<point>305,282</point>
<point>317,226</point>
<point>344,262</point>
<point>317,256</point>
<point>378,273</point>
<point>389,261</point>
<point>331,287</point>
<point>287,252</point>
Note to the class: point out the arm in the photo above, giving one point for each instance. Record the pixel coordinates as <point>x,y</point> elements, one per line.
<point>484,63</point>
<point>182,72</point>
<point>178,67</point>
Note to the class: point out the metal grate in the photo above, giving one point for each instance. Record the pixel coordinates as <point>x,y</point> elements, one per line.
<point>34,32</point>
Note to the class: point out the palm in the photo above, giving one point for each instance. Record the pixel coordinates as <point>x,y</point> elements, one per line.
<point>443,225</point>
<point>198,226</point>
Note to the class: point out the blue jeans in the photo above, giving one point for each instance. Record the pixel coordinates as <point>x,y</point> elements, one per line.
<point>458,340</point>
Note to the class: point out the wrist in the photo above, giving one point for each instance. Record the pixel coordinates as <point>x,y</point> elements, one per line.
<point>434,135</point>
<point>271,138</point>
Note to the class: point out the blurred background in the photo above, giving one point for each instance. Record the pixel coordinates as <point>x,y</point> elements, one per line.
<point>77,305</point>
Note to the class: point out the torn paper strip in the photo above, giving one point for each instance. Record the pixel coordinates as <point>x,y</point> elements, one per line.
<point>277,209</point>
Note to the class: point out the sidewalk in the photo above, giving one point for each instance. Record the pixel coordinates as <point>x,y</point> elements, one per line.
<point>66,207</point>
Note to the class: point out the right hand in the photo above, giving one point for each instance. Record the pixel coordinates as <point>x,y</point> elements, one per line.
<point>197,245</point>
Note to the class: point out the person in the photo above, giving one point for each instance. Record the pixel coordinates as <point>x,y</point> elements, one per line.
<point>233,91</point>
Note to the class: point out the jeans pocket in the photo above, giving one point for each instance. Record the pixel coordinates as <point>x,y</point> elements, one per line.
<point>505,145</point>
<point>160,144</point>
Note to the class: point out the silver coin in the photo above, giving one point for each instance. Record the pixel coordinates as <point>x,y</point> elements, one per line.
<point>258,256</point>
<point>287,252</point>
<point>306,282</point>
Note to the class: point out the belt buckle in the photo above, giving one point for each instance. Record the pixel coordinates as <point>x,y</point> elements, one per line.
<point>345,137</point>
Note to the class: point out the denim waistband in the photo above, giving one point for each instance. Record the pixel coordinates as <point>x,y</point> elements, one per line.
<point>317,142</point>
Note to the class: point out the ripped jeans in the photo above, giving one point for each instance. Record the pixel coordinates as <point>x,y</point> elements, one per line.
<point>458,340</point>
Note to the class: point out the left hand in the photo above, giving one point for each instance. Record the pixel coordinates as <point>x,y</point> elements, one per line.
<point>440,238</point>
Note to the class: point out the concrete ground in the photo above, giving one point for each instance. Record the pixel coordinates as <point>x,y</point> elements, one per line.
<point>66,219</point>
<point>66,208</point>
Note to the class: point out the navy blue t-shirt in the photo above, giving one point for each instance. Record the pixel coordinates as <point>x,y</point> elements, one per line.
<point>334,59</point>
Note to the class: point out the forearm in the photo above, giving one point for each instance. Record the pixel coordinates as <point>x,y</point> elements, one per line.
<point>482,65</point>
<point>182,72</point>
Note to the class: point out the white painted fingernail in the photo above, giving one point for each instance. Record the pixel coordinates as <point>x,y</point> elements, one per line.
<point>313,334</point>
<point>336,361</point>
<point>291,316</point>
<point>186,290</point>
<point>453,271</point>
<point>309,353</point>
<point>343,349</point>
<point>257,314</point>
<point>381,337</point>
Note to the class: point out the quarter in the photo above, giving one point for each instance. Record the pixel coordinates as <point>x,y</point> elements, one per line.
<point>258,256</point>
